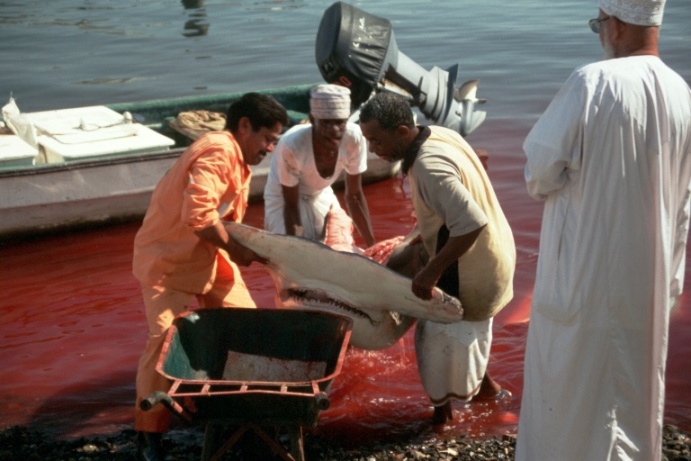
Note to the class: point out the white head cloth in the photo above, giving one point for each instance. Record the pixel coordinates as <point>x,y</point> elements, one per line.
<point>639,12</point>
<point>330,102</point>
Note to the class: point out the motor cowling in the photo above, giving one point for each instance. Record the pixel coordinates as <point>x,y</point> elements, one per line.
<point>358,50</point>
<point>351,49</point>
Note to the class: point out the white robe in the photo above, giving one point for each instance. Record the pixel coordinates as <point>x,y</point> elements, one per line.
<point>612,157</point>
<point>293,164</point>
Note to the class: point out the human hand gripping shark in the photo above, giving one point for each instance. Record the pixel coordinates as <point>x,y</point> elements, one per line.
<point>311,275</point>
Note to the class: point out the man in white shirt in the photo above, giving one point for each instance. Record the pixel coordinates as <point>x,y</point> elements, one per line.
<point>308,160</point>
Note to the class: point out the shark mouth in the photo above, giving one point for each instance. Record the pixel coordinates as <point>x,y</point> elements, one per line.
<point>308,297</point>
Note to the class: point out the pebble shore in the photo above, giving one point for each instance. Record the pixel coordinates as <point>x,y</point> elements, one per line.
<point>20,443</point>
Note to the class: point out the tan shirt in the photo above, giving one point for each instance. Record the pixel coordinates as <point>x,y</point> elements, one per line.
<point>450,186</point>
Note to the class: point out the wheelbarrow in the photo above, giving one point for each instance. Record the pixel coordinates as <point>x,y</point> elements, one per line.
<point>251,369</point>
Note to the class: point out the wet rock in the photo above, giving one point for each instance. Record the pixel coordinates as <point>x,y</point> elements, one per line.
<point>21,443</point>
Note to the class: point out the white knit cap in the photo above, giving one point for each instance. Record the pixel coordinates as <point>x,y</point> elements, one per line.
<point>330,102</point>
<point>639,12</point>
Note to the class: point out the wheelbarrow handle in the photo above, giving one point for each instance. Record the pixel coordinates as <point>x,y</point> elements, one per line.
<point>323,401</point>
<point>157,397</point>
<point>153,399</point>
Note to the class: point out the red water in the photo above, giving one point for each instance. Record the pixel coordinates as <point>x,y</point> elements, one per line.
<point>72,328</point>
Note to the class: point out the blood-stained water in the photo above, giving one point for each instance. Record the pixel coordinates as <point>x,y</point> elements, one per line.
<point>72,324</point>
<point>72,328</point>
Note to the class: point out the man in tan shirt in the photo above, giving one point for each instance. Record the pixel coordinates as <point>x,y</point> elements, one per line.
<point>469,242</point>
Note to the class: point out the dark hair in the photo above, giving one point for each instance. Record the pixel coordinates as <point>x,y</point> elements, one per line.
<point>262,111</point>
<point>389,109</point>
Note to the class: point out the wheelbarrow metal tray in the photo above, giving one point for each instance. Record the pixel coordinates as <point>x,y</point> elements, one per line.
<point>264,366</point>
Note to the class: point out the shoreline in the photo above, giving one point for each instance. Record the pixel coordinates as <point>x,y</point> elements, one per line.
<point>20,442</point>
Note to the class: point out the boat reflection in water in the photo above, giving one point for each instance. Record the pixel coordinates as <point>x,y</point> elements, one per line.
<point>197,25</point>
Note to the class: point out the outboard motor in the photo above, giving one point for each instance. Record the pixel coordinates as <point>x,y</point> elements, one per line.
<point>358,50</point>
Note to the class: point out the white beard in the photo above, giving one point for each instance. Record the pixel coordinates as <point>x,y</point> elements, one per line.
<point>608,50</point>
<point>607,47</point>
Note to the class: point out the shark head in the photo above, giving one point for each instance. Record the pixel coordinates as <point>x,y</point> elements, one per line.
<point>372,329</point>
<point>311,275</point>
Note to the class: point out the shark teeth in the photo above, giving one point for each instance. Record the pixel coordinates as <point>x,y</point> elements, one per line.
<point>309,297</point>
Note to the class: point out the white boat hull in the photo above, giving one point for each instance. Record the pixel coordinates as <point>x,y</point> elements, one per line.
<point>81,194</point>
<point>73,195</point>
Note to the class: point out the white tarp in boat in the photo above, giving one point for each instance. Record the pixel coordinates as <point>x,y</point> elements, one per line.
<point>93,131</point>
<point>76,133</point>
<point>18,143</point>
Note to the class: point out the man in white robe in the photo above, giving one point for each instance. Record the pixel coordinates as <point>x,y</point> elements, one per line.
<point>611,157</point>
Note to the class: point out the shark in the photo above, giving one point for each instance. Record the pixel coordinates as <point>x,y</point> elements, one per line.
<point>313,276</point>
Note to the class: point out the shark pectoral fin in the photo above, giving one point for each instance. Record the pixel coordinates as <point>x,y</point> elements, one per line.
<point>389,329</point>
<point>402,319</point>
<point>403,324</point>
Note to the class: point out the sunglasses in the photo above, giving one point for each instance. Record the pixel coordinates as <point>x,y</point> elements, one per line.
<point>595,24</point>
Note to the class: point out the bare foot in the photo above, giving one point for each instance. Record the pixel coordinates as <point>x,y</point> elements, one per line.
<point>442,414</point>
<point>489,389</point>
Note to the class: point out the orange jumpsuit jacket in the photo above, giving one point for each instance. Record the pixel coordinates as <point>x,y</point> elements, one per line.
<point>210,181</point>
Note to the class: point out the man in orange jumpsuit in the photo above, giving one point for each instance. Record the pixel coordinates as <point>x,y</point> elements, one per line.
<point>182,252</point>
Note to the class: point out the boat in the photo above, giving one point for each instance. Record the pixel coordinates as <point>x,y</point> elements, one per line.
<point>99,164</point>
<point>79,167</point>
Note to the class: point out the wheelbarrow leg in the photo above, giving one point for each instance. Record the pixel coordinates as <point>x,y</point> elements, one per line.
<point>296,445</point>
